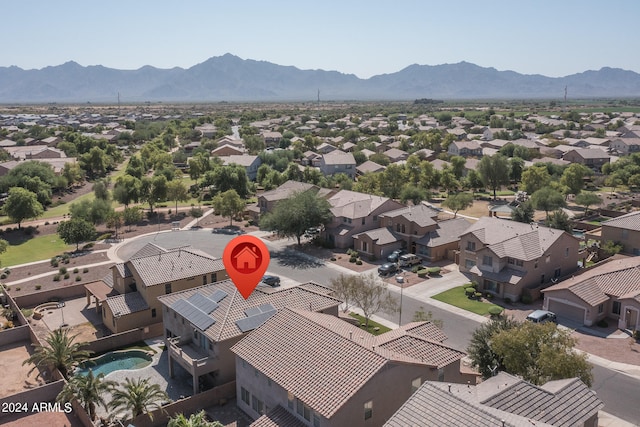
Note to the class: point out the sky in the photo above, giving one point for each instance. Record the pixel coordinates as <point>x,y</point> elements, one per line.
<point>550,37</point>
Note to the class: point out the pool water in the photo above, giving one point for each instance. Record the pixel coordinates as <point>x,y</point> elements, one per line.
<point>115,361</point>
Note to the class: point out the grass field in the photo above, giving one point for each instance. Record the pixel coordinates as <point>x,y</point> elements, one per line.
<point>34,249</point>
<point>457,297</point>
<point>381,329</point>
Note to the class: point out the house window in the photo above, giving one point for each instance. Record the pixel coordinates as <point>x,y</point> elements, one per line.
<point>469,263</point>
<point>375,218</point>
<point>153,312</point>
<point>316,420</point>
<point>415,384</point>
<point>364,246</point>
<point>542,279</point>
<point>471,246</point>
<point>600,308</point>
<point>363,219</point>
<point>167,288</point>
<point>491,286</point>
<point>616,307</point>
<point>290,400</point>
<point>487,260</point>
<point>556,273</point>
<point>244,393</point>
<point>257,405</point>
<point>398,228</point>
<point>368,409</point>
<point>566,252</point>
<point>511,261</point>
<point>204,279</point>
<point>536,264</point>
<point>214,277</point>
<point>441,374</point>
<point>519,263</point>
<point>403,229</point>
<point>625,234</point>
<point>548,259</point>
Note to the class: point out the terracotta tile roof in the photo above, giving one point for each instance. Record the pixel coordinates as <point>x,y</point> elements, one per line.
<point>448,231</point>
<point>175,264</point>
<point>286,190</point>
<point>561,403</point>
<point>615,278</point>
<point>278,417</point>
<point>338,157</point>
<point>421,214</point>
<point>232,307</point>
<point>351,204</point>
<point>381,236</point>
<point>630,221</point>
<point>128,303</point>
<point>325,371</point>
<point>370,166</point>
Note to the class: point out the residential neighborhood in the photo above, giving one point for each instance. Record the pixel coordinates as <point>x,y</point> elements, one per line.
<point>398,235</point>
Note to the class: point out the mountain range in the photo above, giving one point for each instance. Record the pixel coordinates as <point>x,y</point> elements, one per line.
<point>230,78</point>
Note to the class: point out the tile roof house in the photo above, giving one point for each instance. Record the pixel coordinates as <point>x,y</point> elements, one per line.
<point>396,155</point>
<point>202,324</point>
<point>625,145</point>
<point>225,150</point>
<point>327,372</point>
<point>465,148</point>
<point>610,289</point>
<point>624,230</point>
<point>338,162</point>
<point>505,257</point>
<point>369,167</point>
<point>593,158</point>
<point>152,271</point>
<point>248,162</point>
<point>503,400</point>
<point>355,213</point>
<point>268,200</point>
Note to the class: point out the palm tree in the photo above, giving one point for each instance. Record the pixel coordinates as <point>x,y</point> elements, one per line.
<point>88,390</point>
<point>137,396</point>
<point>60,352</point>
<point>194,420</point>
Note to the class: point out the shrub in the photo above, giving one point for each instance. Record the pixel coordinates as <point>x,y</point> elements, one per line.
<point>495,311</point>
<point>433,271</point>
<point>7,271</point>
<point>488,295</point>
<point>78,278</point>
<point>3,276</point>
<point>56,278</point>
<point>62,270</point>
<point>54,261</point>
<point>422,273</point>
<point>75,270</point>
<point>636,334</point>
<point>18,288</point>
<point>104,236</point>
<point>66,275</point>
<point>359,262</point>
<point>38,287</point>
<point>602,323</point>
<point>353,258</point>
<point>85,270</point>
<point>416,268</point>
<point>469,292</point>
<point>526,298</point>
<point>333,258</point>
<point>477,295</point>
<point>8,230</point>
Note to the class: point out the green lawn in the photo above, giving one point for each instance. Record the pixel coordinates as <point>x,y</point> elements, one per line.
<point>372,325</point>
<point>34,249</point>
<point>457,297</point>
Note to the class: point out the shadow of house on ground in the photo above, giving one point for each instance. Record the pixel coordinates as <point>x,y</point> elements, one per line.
<point>291,258</point>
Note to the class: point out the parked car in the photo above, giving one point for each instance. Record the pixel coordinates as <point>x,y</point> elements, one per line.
<point>542,316</point>
<point>393,256</point>
<point>409,260</point>
<point>273,281</point>
<point>387,269</point>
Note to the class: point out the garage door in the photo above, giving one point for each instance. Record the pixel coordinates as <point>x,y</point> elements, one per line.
<point>565,311</point>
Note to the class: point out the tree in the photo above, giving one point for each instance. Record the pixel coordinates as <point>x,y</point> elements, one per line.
<point>132,216</point>
<point>127,190</point>
<point>535,178</point>
<point>587,199</point>
<point>293,216</point>
<point>22,204</point>
<point>370,294</point>
<point>494,171</point>
<point>225,178</point>
<point>60,352</point>
<point>153,190</point>
<point>611,248</point>
<point>523,213</point>
<point>88,390</point>
<point>480,351</point>
<point>76,231</point>
<point>101,189</point>
<point>96,211</point>
<point>178,192</point>
<point>228,204</point>
<point>573,178</point>
<point>559,220</point>
<point>458,202</point>
<point>137,396</point>
<point>413,193</point>
<point>516,167</point>
<point>547,199</point>
<point>115,220</point>
<point>194,420</point>
<point>457,165</point>
<point>343,287</point>
<point>540,352</point>
<point>4,245</point>
<point>95,162</point>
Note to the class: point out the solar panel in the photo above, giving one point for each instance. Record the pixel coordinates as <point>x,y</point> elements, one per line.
<point>252,322</point>
<point>203,303</point>
<point>218,295</point>
<point>266,307</point>
<point>193,314</point>
<point>258,310</point>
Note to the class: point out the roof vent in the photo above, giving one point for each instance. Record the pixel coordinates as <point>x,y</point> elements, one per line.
<point>351,335</point>
<point>449,388</point>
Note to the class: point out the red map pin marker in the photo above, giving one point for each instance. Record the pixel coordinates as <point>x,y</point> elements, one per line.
<point>246,259</point>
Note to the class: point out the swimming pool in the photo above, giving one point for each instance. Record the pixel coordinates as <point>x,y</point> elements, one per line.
<point>115,361</point>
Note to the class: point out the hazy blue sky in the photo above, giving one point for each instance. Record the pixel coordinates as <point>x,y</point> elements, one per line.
<point>365,38</point>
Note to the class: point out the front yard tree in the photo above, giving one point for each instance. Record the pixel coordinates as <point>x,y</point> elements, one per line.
<point>22,204</point>
<point>293,216</point>
<point>587,199</point>
<point>178,192</point>
<point>480,351</point>
<point>560,221</point>
<point>228,204</point>
<point>494,171</point>
<point>535,178</point>
<point>523,213</point>
<point>76,230</point>
<point>343,288</point>
<point>60,352</point>
<point>572,178</point>
<point>540,352</point>
<point>458,202</point>
<point>370,294</point>
<point>547,199</point>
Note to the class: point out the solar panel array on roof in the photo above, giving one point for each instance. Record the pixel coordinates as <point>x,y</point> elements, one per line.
<point>252,322</point>
<point>218,295</point>
<point>193,314</point>
<point>253,311</point>
<point>203,303</point>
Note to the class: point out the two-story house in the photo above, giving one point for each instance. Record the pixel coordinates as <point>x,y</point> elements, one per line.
<point>593,158</point>
<point>248,162</point>
<point>465,148</point>
<point>202,324</point>
<point>338,161</point>
<point>625,145</point>
<point>504,256</point>
<point>624,230</point>
<point>322,371</point>
<point>151,272</point>
<point>355,213</point>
